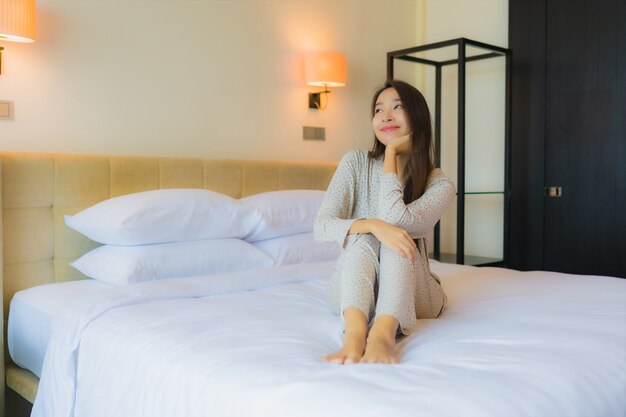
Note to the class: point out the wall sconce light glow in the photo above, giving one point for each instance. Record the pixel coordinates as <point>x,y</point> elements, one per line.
<point>324,69</point>
<point>17,22</point>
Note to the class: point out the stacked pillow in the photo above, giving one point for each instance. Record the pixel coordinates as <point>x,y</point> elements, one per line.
<point>160,216</point>
<point>167,234</point>
<point>186,232</point>
<point>284,213</point>
<point>285,231</point>
<point>297,249</point>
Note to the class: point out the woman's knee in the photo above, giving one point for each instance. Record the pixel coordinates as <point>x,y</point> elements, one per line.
<point>392,260</point>
<point>364,248</point>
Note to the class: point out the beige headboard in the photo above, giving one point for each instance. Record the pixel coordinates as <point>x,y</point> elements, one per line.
<point>39,189</point>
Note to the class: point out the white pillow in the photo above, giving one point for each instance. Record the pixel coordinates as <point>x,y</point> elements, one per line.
<point>300,248</point>
<point>284,213</point>
<point>170,215</point>
<point>119,265</point>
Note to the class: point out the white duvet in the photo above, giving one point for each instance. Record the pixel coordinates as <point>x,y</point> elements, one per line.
<point>251,344</point>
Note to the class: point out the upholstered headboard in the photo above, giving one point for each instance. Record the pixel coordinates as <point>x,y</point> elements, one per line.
<point>39,189</point>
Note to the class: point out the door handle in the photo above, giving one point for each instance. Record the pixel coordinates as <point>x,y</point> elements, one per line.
<point>554,191</point>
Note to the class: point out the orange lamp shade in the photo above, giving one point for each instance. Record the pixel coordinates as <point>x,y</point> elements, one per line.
<point>17,20</point>
<point>325,69</point>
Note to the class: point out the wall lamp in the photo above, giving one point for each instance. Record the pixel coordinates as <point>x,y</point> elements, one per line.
<point>17,22</point>
<point>324,69</point>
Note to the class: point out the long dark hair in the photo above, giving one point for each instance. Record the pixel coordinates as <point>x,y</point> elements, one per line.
<point>422,149</point>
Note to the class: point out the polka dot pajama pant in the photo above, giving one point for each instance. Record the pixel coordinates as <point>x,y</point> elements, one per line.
<point>378,281</point>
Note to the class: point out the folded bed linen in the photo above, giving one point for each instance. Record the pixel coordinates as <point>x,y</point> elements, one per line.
<point>251,343</point>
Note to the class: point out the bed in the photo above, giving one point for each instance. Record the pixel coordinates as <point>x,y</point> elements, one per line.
<point>250,342</point>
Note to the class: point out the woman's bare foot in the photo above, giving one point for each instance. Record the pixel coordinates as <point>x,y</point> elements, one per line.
<point>380,350</point>
<point>381,342</point>
<point>351,352</point>
<point>353,338</point>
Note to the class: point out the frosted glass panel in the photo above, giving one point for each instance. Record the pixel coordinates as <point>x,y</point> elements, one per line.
<point>449,123</point>
<point>484,225</point>
<point>484,230</point>
<point>484,127</point>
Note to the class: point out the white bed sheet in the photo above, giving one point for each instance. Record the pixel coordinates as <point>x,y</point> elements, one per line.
<point>509,344</point>
<point>30,318</point>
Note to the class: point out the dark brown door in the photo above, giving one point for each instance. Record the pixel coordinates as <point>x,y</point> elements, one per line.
<point>568,131</point>
<point>585,143</point>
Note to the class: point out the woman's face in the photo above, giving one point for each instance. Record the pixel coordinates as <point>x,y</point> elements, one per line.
<point>389,121</point>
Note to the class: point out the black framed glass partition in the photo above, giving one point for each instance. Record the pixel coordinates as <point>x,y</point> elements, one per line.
<point>482,180</point>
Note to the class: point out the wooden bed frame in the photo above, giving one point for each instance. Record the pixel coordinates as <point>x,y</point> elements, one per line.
<point>39,189</point>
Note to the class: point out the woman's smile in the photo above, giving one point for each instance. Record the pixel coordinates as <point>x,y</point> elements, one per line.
<point>389,128</point>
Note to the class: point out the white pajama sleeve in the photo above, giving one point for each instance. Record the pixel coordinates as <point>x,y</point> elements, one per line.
<point>420,216</point>
<point>333,220</point>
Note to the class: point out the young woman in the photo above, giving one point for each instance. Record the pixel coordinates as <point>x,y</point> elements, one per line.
<point>380,206</point>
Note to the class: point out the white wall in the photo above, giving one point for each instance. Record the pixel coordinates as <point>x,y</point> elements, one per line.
<point>209,78</point>
<point>224,79</point>
<point>485,21</point>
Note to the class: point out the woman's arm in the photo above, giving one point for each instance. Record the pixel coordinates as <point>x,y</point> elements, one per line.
<point>419,217</point>
<point>333,220</point>
<point>393,237</point>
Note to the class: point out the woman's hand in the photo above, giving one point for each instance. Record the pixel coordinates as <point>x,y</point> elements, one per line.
<point>401,145</point>
<point>395,147</point>
<point>395,238</point>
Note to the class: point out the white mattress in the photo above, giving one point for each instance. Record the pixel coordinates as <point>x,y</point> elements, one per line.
<point>509,344</point>
<point>30,318</point>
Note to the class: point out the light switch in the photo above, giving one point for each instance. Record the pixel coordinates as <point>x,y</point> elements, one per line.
<point>6,110</point>
<point>313,133</point>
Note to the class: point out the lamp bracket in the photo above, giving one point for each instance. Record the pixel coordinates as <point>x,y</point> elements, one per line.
<point>315,99</point>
